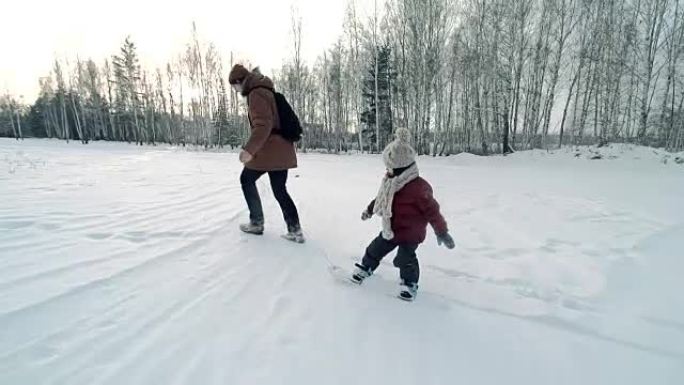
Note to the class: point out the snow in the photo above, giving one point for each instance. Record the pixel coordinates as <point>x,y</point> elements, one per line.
<point>617,151</point>
<point>123,265</point>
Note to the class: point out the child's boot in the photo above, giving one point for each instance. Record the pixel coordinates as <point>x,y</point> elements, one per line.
<point>360,273</point>
<point>408,291</point>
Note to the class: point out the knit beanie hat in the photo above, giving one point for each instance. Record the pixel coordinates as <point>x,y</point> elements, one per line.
<point>399,153</point>
<point>237,74</point>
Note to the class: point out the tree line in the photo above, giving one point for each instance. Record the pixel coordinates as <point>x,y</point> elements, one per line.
<point>482,76</point>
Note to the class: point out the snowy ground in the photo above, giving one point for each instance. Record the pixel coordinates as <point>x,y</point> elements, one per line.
<point>123,265</point>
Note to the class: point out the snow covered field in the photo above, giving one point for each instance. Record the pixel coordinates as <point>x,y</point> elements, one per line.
<point>123,265</point>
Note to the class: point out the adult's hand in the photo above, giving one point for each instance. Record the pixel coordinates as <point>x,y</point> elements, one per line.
<point>245,156</point>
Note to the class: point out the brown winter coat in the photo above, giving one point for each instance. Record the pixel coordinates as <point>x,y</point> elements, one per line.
<point>271,151</point>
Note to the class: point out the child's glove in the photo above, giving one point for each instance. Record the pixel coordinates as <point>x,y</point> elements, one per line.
<point>446,240</point>
<point>365,215</point>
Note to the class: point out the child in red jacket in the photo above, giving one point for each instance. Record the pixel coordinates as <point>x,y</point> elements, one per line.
<point>406,205</point>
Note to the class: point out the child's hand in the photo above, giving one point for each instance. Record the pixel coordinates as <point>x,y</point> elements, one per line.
<point>365,215</point>
<point>446,240</point>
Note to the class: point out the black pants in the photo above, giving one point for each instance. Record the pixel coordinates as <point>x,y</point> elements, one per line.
<point>278,185</point>
<point>406,259</point>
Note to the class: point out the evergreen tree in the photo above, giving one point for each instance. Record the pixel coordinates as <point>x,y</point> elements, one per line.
<point>127,77</point>
<point>373,124</point>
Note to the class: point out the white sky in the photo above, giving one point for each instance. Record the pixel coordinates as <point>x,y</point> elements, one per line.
<point>34,32</point>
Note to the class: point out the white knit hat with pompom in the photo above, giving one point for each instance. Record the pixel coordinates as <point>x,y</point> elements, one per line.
<point>399,153</point>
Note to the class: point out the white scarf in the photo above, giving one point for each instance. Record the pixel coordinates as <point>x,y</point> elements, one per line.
<point>383,202</point>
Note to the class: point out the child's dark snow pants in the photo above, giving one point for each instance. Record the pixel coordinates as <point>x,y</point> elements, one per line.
<point>406,259</point>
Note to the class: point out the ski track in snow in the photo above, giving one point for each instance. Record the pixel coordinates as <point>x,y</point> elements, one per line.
<point>123,264</point>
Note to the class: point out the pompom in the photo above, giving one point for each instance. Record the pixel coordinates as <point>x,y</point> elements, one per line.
<point>403,135</point>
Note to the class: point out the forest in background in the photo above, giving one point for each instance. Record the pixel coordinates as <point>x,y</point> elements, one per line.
<point>480,76</point>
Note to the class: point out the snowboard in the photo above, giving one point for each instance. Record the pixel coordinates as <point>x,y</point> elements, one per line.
<point>375,282</point>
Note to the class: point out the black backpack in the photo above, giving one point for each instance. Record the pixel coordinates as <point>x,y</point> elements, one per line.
<point>290,128</point>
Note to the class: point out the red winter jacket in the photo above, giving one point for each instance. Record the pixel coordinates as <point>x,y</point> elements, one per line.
<point>413,207</point>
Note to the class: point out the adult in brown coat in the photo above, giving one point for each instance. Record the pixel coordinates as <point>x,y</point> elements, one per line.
<point>265,152</point>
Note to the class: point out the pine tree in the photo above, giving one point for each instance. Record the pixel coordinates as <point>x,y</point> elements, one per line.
<point>127,75</point>
<point>373,124</point>
<point>221,122</point>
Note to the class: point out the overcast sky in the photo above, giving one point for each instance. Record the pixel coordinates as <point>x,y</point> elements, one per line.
<point>34,32</point>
